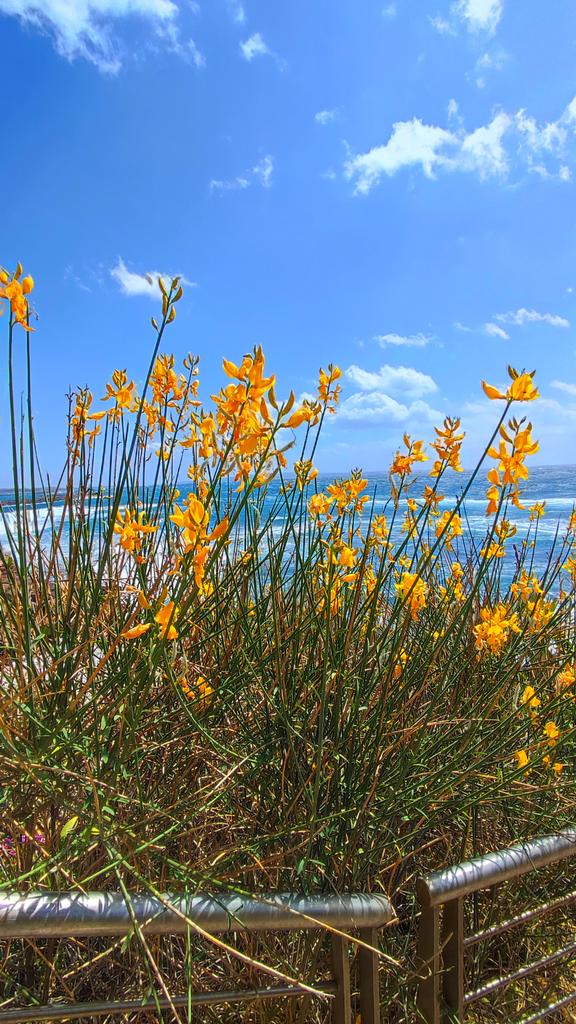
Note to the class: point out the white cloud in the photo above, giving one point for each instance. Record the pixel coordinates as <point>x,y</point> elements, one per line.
<point>496,332</point>
<point>237,11</point>
<point>413,340</point>
<point>523,316</point>
<point>255,46</point>
<point>462,327</point>
<point>82,28</point>
<point>482,150</point>
<point>142,284</point>
<point>395,379</point>
<point>325,116</point>
<point>507,143</point>
<point>264,170</point>
<point>482,15</point>
<point>561,385</point>
<point>390,11</point>
<point>411,143</point>
<point>551,136</point>
<point>231,185</point>
<point>187,50</point>
<point>442,25</point>
<point>378,407</point>
<point>488,62</point>
<point>261,172</point>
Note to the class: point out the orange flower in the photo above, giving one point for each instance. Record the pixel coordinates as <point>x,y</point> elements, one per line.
<point>165,618</point>
<point>15,291</point>
<point>521,389</point>
<point>136,631</point>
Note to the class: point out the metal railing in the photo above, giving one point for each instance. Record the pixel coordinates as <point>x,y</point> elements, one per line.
<point>67,915</point>
<point>442,942</point>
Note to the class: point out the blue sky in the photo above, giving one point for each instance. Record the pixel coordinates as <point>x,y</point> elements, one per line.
<point>386,185</point>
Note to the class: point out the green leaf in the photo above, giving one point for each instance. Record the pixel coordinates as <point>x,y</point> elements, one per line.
<point>69,827</point>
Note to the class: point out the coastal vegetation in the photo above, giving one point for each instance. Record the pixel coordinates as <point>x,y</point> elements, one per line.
<point>220,673</point>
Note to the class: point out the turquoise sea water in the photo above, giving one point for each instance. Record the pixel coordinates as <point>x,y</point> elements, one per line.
<point>554,485</point>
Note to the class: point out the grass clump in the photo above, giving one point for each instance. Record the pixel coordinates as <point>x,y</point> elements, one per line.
<point>250,681</point>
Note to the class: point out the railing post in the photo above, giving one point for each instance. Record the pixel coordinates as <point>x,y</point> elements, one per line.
<point>341,965</point>
<point>428,958</point>
<point>453,958</point>
<point>369,982</point>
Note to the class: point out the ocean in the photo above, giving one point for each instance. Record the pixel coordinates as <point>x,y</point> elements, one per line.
<point>554,485</point>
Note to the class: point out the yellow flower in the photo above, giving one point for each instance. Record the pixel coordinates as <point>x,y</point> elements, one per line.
<point>165,618</point>
<point>402,464</point>
<point>400,663</point>
<point>15,291</point>
<point>200,692</point>
<point>522,758</point>
<point>431,496</point>
<point>319,504</point>
<point>537,510</point>
<point>309,412</point>
<point>493,631</point>
<point>305,472</point>
<point>346,556</point>
<point>413,590</point>
<point>551,732</point>
<point>447,446</point>
<point>449,526</point>
<point>328,394</point>
<point>521,389</point>
<point>136,631</point>
<point>566,678</point>
<point>123,393</point>
<point>130,528</point>
<point>529,697</point>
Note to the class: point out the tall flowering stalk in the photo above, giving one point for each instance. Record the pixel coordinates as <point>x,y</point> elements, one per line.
<point>220,669</point>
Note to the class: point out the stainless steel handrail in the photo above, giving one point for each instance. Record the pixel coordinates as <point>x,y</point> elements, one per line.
<point>442,941</point>
<point>70,914</point>
<point>482,872</point>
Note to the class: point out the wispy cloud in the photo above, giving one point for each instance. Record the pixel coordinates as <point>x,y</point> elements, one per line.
<point>442,25</point>
<point>131,283</point>
<point>255,46</point>
<point>324,117</point>
<point>403,340</point>
<point>488,63</point>
<point>520,317</point>
<point>561,385</point>
<point>389,11</point>
<point>496,332</point>
<point>237,11</point>
<point>264,170</point>
<point>261,173</point>
<point>490,151</point>
<point>85,29</point>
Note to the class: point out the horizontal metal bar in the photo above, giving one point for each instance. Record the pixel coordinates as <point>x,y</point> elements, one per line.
<point>524,972</point>
<point>64,1011</point>
<point>547,1011</point>
<point>513,922</point>
<point>482,872</point>
<point>107,913</point>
